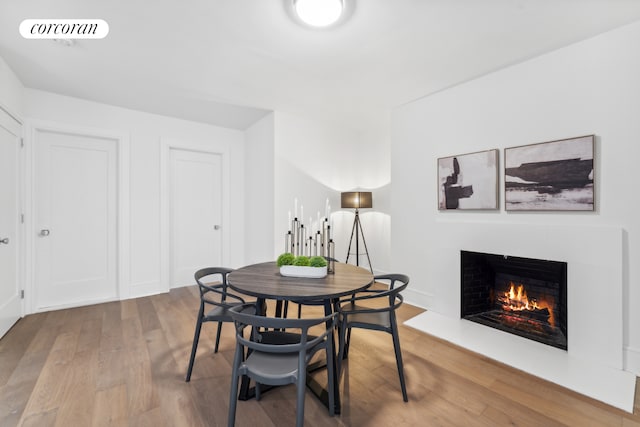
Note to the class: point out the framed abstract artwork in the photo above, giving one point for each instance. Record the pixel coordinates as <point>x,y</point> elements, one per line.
<point>550,176</point>
<point>468,181</point>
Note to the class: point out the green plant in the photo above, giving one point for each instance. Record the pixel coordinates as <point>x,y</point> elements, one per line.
<point>317,261</point>
<point>301,261</point>
<point>285,259</point>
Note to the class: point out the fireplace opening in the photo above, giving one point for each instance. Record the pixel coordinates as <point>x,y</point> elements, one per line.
<point>522,296</point>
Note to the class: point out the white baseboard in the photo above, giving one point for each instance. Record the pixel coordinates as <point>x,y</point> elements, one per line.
<point>632,360</point>
<point>144,289</point>
<point>417,298</point>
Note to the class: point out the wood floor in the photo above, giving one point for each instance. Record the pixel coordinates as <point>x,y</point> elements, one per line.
<point>123,363</point>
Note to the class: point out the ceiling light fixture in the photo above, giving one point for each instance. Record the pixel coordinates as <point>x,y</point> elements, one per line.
<point>319,13</point>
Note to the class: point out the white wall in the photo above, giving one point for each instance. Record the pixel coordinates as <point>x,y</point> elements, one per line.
<point>316,161</point>
<point>589,87</point>
<point>259,185</point>
<point>147,133</point>
<point>11,90</point>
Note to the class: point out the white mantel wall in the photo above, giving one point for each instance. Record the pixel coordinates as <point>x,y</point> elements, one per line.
<point>147,133</point>
<point>591,87</point>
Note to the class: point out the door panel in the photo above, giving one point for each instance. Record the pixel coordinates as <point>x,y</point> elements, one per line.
<point>76,219</point>
<point>10,303</point>
<point>195,200</point>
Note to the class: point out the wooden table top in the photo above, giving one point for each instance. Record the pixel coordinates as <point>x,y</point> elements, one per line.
<point>264,281</point>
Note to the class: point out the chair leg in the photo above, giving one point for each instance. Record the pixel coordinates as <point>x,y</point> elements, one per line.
<point>301,388</point>
<point>341,344</point>
<point>330,381</point>
<point>346,343</point>
<point>215,350</point>
<point>396,346</point>
<point>233,396</point>
<point>194,346</point>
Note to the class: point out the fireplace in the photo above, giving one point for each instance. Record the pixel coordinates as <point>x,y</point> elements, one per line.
<point>522,296</point>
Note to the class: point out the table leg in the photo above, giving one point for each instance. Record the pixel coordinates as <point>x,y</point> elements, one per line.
<point>314,385</point>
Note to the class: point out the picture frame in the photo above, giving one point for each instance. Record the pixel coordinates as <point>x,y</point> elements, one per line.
<point>551,176</point>
<point>469,181</point>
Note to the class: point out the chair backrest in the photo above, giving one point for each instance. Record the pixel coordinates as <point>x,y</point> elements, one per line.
<point>217,285</point>
<point>397,284</point>
<point>393,278</point>
<point>242,319</point>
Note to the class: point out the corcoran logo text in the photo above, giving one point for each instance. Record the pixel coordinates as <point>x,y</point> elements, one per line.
<point>64,29</point>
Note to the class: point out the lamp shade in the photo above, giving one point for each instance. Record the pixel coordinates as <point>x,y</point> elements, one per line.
<point>356,199</point>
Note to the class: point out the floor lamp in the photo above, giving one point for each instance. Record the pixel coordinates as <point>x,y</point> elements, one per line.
<point>357,200</point>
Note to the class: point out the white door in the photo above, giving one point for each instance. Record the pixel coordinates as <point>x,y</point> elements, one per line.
<point>76,222</point>
<point>10,304</point>
<point>196,212</point>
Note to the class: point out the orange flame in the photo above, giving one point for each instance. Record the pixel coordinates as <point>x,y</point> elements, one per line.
<point>515,299</point>
<point>518,300</point>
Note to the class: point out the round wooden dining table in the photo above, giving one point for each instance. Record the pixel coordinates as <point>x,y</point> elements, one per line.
<point>264,282</point>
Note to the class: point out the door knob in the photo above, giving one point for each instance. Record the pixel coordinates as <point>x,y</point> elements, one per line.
<point>216,227</point>
<point>44,232</point>
<point>5,241</point>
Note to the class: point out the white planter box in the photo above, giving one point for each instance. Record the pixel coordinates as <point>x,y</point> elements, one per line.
<point>299,271</point>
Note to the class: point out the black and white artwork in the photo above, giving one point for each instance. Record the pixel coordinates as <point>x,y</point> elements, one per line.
<point>468,181</point>
<point>556,175</point>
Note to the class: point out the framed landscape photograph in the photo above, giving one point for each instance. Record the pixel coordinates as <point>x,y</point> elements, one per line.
<point>550,176</point>
<point>468,181</point>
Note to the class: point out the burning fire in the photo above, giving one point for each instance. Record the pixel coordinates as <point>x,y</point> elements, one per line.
<point>516,300</point>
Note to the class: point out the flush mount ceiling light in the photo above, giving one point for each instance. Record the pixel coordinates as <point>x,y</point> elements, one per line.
<point>319,13</point>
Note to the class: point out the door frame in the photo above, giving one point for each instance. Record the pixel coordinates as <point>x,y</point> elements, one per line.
<point>20,243</point>
<point>205,147</point>
<point>121,140</point>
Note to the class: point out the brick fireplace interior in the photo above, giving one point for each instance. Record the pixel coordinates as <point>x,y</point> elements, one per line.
<point>522,296</point>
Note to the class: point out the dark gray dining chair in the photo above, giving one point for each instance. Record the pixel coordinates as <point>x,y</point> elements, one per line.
<point>279,364</point>
<point>215,302</point>
<point>377,313</point>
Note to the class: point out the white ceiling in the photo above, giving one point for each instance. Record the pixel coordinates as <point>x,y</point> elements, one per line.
<point>229,62</point>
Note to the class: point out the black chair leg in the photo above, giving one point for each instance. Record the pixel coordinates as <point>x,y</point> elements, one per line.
<point>194,347</point>
<point>396,346</point>
<point>341,346</point>
<point>215,350</point>
<point>347,342</point>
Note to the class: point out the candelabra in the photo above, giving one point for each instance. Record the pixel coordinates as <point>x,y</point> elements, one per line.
<point>303,240</point>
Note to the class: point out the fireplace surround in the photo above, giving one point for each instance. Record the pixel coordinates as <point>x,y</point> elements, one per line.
<point>596,286</point>
<point>522,296</point>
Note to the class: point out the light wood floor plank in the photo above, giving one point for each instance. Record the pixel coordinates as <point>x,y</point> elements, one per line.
<point>49,389</point>
<point>76,403</point>
<point>110,408</point>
